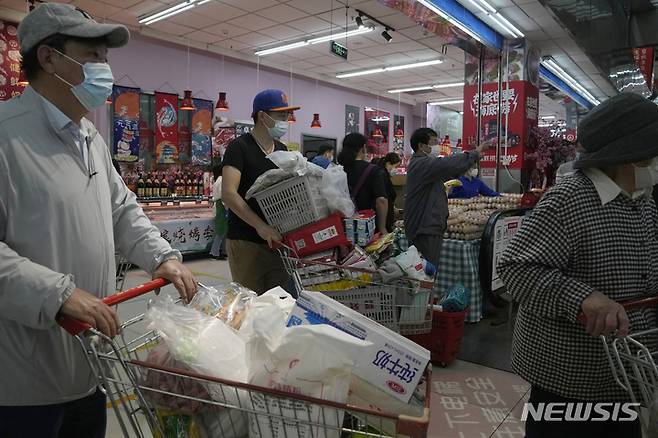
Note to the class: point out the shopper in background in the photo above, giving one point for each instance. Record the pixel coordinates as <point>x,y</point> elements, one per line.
<point>389,163</point>
<point>325,156</point>
<point>590,242</point>
<point>63,208</point>
<point>472,185</point>
<point>218,248</point>
<point>366,181</point>
<point>253,262</point>
<point>426,202</point>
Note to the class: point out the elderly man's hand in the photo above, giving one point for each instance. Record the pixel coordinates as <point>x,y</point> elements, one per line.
<point>604,316</point>
<point>180,277</point>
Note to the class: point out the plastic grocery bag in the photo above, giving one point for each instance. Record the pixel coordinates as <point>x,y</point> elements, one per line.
<point>336,191</point>
<point>313,361</point>
<point>205,344</point>
<point>411,263</point>
<point>268,179</point>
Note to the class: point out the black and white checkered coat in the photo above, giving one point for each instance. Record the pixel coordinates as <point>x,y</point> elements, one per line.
<point>569,247</point>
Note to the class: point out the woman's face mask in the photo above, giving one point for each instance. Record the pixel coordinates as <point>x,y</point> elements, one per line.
<point>646,176</point>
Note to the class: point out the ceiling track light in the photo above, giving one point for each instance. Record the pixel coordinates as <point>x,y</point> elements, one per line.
<point>359,20</point>
<point>387,36</point>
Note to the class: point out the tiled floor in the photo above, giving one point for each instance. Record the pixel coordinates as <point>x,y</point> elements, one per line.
<point>468,400</point>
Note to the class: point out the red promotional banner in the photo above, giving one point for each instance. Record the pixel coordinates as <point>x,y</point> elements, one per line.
<point>644,59</point>
<point>520,104</point>
<point>166,128</point>
<point>10,61</point>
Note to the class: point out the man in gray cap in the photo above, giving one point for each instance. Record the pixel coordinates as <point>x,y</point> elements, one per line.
<point>63,208</point>
<point>590,242</point>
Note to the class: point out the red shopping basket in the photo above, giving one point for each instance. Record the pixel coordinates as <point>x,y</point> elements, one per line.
<point>445,339</point>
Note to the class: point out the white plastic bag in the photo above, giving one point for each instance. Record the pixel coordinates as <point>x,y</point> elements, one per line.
<point>268,179</point>
<point>314,361</point>
<point>336,191</point>
<point>205,344</point>
<point>411,263</point>
<point>291,162</point>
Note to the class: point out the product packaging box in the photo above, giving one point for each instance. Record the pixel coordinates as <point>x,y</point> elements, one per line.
<point>393,363</point>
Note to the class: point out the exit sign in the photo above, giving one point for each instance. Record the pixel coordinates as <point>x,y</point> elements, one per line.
<point>338,50</point>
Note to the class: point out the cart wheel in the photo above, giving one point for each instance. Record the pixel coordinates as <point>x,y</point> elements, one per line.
<point>443,365</point>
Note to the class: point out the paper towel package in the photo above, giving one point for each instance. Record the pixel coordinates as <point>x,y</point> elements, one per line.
<point>393,363</point>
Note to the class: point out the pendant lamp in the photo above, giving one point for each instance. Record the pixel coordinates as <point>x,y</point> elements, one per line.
<point>187,104</point>
<point>399,133</point>
<point>377,133</point>
<point>316,121</point>
<point>222,103</point>
<point>292,118</point>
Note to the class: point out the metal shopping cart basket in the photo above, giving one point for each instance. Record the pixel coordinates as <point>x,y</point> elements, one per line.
<point>403,305</point>
<point>127,379</point>
<point>633,362</point>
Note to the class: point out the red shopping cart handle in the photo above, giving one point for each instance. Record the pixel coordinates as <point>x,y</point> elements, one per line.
<point>75,327</point>
<point>628,305</point>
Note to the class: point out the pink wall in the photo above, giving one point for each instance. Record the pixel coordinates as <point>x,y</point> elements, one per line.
<point>151,63</point>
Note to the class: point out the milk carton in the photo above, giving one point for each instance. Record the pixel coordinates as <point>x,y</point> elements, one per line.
<point>392,363</point>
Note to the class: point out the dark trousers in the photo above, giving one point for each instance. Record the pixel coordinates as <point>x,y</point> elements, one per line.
<point>84,418</point>
<point>579,429</point>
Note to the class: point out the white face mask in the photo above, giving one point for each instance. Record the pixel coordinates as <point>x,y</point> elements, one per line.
<point>474,173</point>
<point>646,177</point>
<point>96,87</point>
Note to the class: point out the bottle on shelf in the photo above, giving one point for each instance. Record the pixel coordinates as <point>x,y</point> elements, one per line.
<point>459,143</point>
<point>176,190</point>
<point>446,141</point>
<point>199,185</point>
<point>148,192</point>
<point>189,187</point>
<point>141,185</point>
<point>164,186</point>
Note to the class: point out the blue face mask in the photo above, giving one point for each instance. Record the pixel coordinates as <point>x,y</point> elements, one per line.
<point>278,130</point>
<point>96,87</point>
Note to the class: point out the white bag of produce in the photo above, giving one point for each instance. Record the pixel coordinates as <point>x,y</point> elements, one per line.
<point>313,361</point>
<point>412,264</point>
<point>336,191</point>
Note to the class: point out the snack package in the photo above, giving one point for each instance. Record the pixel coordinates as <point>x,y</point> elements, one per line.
<point>228,302</point>
<point>175,425</point>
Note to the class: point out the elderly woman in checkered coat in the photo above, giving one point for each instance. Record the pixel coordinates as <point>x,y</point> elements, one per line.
<point>591,242</point>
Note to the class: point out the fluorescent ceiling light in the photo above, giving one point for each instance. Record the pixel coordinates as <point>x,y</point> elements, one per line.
<point>177,9</point>
<point>447,102</point>
<point>381,119</point>
<point>547,117</point>
<point>498,18</point>
<point>360,73</point>
<point>281,48</point>
<point>322,39</point>
<point>203,2</point>
<point>426,87</point>
<point>442,14</point>
<point>391,68</point>
<point>555,68</point>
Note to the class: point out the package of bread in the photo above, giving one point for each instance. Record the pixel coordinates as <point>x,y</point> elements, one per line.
<point>229,302</point>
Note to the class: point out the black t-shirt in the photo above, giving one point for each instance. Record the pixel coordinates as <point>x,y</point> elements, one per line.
<point>245,155</point>
<point>373,188</point>
<point>392,195</point>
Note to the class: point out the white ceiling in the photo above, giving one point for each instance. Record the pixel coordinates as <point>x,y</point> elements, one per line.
<point>242,26</point>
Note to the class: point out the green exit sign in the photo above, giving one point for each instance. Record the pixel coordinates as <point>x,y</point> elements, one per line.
<point>339,50</point>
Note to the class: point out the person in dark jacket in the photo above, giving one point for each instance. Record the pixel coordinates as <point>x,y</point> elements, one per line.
<point>472,186</point>
<point>426,202</point>
<point>389,163</point>
<point>366,181</point>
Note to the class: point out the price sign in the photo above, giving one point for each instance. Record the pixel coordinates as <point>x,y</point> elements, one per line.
<point>338,50</point>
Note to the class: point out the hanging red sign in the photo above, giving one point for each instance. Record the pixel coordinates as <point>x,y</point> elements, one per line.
<point>644,59</point>
<point>166,128</point>
<point>519,108</point>
<point>10,61</point>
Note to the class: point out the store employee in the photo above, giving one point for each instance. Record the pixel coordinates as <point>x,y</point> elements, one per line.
<point>472,186</point>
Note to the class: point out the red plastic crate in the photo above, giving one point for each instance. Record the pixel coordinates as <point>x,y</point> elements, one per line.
<point>445,339</point>
<point>321,236</point>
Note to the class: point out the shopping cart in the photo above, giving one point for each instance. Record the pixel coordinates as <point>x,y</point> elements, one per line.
<point>633,361</point>
<point>239,410</point>
<point>403,305</point>
<point>123,266</point>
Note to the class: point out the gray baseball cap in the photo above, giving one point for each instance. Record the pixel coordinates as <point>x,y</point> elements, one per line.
<point>49,19</point>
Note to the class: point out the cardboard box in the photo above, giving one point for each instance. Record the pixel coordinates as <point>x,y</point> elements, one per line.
<point>393,363</point>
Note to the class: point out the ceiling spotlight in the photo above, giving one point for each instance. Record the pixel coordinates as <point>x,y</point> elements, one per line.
<point>359,20</point>
<point>387,36</point>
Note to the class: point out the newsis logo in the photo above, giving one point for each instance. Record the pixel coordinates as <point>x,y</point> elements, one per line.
<point>580,411</point>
